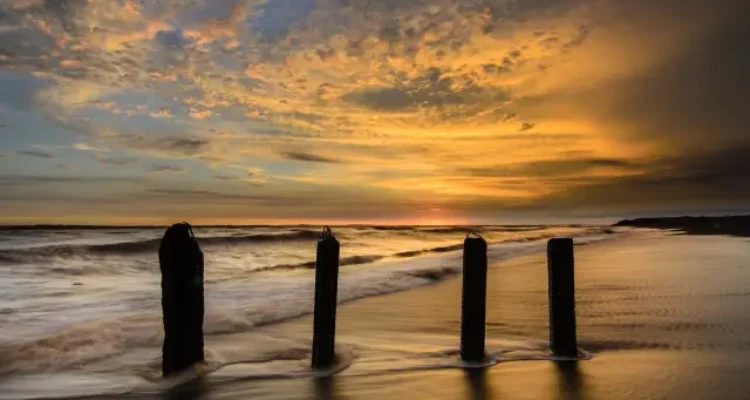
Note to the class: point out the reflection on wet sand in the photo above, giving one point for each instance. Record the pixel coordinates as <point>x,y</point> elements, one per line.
<point>192,390</point>
<point>478,385</point>
<point>324,388</point>
<point>570,382</point>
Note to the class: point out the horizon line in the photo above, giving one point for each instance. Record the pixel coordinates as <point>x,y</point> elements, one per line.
<point>159,226</point>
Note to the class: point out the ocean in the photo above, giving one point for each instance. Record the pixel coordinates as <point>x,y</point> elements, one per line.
<point>82,316</point>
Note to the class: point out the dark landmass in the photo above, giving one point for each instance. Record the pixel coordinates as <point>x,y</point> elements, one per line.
<point>735,225</point>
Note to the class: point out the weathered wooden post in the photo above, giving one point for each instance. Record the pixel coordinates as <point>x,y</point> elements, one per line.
<point>326,288</point>
<point>562,316</point>
<point>473,303</point>
<point>181,264</point>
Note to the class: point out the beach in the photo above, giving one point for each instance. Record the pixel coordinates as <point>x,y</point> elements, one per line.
<point>660,315</point>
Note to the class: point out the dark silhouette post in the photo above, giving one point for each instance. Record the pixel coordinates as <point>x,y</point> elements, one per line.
<point>562,316</point>
<point>181,264</point>
<point>326,288</point>
<point>473,304</point>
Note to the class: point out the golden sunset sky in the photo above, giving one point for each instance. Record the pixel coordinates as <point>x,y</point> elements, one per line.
<point>441,111</point>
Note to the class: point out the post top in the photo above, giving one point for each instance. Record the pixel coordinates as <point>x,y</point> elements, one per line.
<point>327,234</point>
<point>476,240</point>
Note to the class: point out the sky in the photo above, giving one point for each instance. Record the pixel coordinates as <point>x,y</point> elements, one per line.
<point>359,111</point>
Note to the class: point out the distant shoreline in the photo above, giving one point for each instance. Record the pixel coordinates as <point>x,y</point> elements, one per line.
<point>734,225</point>
<point>316,226</point>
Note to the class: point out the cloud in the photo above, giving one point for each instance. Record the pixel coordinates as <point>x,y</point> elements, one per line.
<point>116,161</point>
<point>29,43</point>
<point>307,157</point>
<point>681,92</point>
<point>526,126</point>
<point>252,178</point>
<point>434,88</point>
<point>185,145</point>
<point>169,146</point>
<point>162,113</point>
<point>583,33</point>
<point>582,167</point>
<point>210,195</point>
<point>686,182</point>
<point>36,153</point>
<point>200,114</point>
<point>186,192</point>
<point>12,180</point>
<point>605,162</point>
<point>170,39</point>
<point>84,147</point>
<point>167,169</point>
<point>104,105</point>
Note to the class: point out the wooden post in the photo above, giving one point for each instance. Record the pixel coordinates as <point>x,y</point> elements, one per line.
<point>181,264</point>
<point>326,288</point>
<point>473,304</point>
<point>562,316</point>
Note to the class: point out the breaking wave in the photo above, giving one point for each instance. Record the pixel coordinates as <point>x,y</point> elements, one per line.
<point>145,246</point>
<point>81,260</point>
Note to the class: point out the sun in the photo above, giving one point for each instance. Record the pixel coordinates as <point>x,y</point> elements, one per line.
<point>439,216</point>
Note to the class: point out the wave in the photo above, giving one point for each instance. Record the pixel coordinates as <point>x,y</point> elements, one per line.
<point>484,229</point>
<point>367,259</point>
<point>352,260</point>
<point>151,245</point>
<point>390,227</point>
<point>458,228</point>
<point>355,260</point>
<point>301,234</point>
<point>145,246</point>
<point>84,265</point>
<point>440,249</point>
<point>455,247</point>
